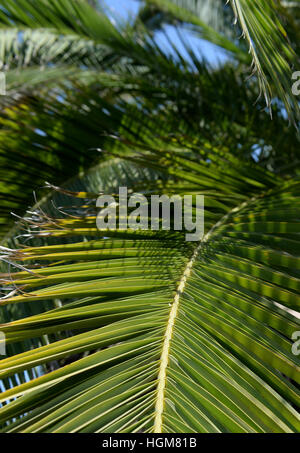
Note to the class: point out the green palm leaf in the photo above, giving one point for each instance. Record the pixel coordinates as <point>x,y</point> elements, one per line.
<point>140,330</point>
<point>273,57</point>
<point>77,20</point>
<point>166,335</point>
<point>270,49</point>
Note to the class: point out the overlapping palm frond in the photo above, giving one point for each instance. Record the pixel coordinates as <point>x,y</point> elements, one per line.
<point>271,51</point>
<point>273,55</point>
<point>208,20</point>
<point>45,45</point>
<point>140,330</point>
<point>167,335</point>
<point>103,177</point>
<point>76,19</point>
<point>59,130</point>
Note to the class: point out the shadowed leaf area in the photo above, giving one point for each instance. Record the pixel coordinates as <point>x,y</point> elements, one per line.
<point>109,330</point>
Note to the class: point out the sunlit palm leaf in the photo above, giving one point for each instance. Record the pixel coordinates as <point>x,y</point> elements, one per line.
<point>180,337</point>
<point>270,49</point>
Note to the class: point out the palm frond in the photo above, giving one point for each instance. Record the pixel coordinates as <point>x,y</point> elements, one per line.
<point>273,57</point>
<point>176,336</point>
<point>208,20</point>
<point>271,51</point>
<point>272,54</point>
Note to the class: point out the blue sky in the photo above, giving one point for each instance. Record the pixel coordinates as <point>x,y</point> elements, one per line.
<point>125,10</point>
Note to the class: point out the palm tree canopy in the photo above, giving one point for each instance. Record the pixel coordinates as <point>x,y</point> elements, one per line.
<point>140,330</point>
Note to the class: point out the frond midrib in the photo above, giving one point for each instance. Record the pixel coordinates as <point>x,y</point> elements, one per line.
<point>164,358</point>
